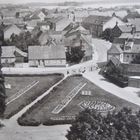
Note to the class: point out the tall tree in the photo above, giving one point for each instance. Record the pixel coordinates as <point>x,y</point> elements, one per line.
<point>91,125</point>
<point>2,88</point>
<point>108,35</point>
<point>23,40</point>
<point>75,55</point>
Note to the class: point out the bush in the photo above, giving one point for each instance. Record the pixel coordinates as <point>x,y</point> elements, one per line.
<point>118,80</point>
<point>76,75</point>
<point>91,125</point>
<point>57,122</point>
<point>30,122</point>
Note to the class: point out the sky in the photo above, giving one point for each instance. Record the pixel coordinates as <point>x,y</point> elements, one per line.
<point>48,1</point>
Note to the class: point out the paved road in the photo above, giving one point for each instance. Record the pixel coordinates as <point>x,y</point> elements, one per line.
<point>124,93</point>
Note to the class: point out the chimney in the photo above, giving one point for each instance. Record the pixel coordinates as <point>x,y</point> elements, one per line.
<point>133,31</point>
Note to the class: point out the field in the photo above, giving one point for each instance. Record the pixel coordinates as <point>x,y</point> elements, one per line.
<point>71,96</point>
<point>24,89</point>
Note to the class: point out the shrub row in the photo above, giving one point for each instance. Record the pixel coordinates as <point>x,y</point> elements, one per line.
<point>118,80</point>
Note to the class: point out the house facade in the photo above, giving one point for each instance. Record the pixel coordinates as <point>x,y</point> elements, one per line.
<point>77,36</point>
<point>12,55</point>
<point>8,57</point>
<point>94,24</point>
<point>125,51</point>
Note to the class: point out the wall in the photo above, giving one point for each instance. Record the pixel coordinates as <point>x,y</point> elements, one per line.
<point>47,63</point>
<point>134,82</point>
<point>131,69</point>
<point>7,60</point>
<point>88,50</point>
<point>127,58</point>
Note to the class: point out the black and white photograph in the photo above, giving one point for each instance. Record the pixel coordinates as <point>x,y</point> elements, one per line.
<point>70,70</point>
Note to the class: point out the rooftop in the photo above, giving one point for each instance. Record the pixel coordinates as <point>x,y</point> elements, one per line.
<point>48,52</point>
<point>95,19</point>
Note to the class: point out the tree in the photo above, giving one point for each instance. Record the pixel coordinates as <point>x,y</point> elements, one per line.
<point>75,55</point>
<point>23,40</point>
<point>17,14</point>
<point>91,125</point>
<point>108,35</point>
<point>2,88</point>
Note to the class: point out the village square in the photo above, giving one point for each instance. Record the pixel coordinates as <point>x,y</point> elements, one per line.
<point>58,61</point>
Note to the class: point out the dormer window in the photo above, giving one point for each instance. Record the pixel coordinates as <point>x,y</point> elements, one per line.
<point>127,48</point>
<point>128,45</point>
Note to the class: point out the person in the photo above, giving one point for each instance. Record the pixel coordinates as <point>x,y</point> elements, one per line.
<point>67,72</point>
<point>84,70</point>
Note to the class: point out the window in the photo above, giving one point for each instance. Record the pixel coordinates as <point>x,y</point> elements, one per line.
<point>127,47</point>
<point>43,62</point>
<point>38,62</point>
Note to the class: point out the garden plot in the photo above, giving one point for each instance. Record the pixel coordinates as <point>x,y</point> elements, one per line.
<point>67,99</point>
<point>25,89</point>
<point>21,92</point>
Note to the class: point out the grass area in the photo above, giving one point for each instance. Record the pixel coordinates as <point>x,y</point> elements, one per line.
<point>20,82</point>
<point>16,83</point>
<point>41,112</point>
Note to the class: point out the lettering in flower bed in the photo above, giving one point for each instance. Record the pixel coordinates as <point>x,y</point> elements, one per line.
<point>99,105</point>
<point>86,92</point>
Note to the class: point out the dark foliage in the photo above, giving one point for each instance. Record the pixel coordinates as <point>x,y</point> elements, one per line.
<point>90,125</point>
<point>136,60</point>
<point>108,35</point>
<point>75,55</point>
<point>115,75</point>
<point>23,40</point>
<point>2,87</point>
<point>28,123</point>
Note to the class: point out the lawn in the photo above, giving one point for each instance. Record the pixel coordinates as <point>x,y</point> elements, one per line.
<point>28,88</point>
<point>89,96</point>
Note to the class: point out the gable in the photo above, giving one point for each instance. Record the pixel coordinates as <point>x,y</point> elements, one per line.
<point>114,50</point>
<point>112,22</point>
<point>13,29</point>
<point>41,15</point>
